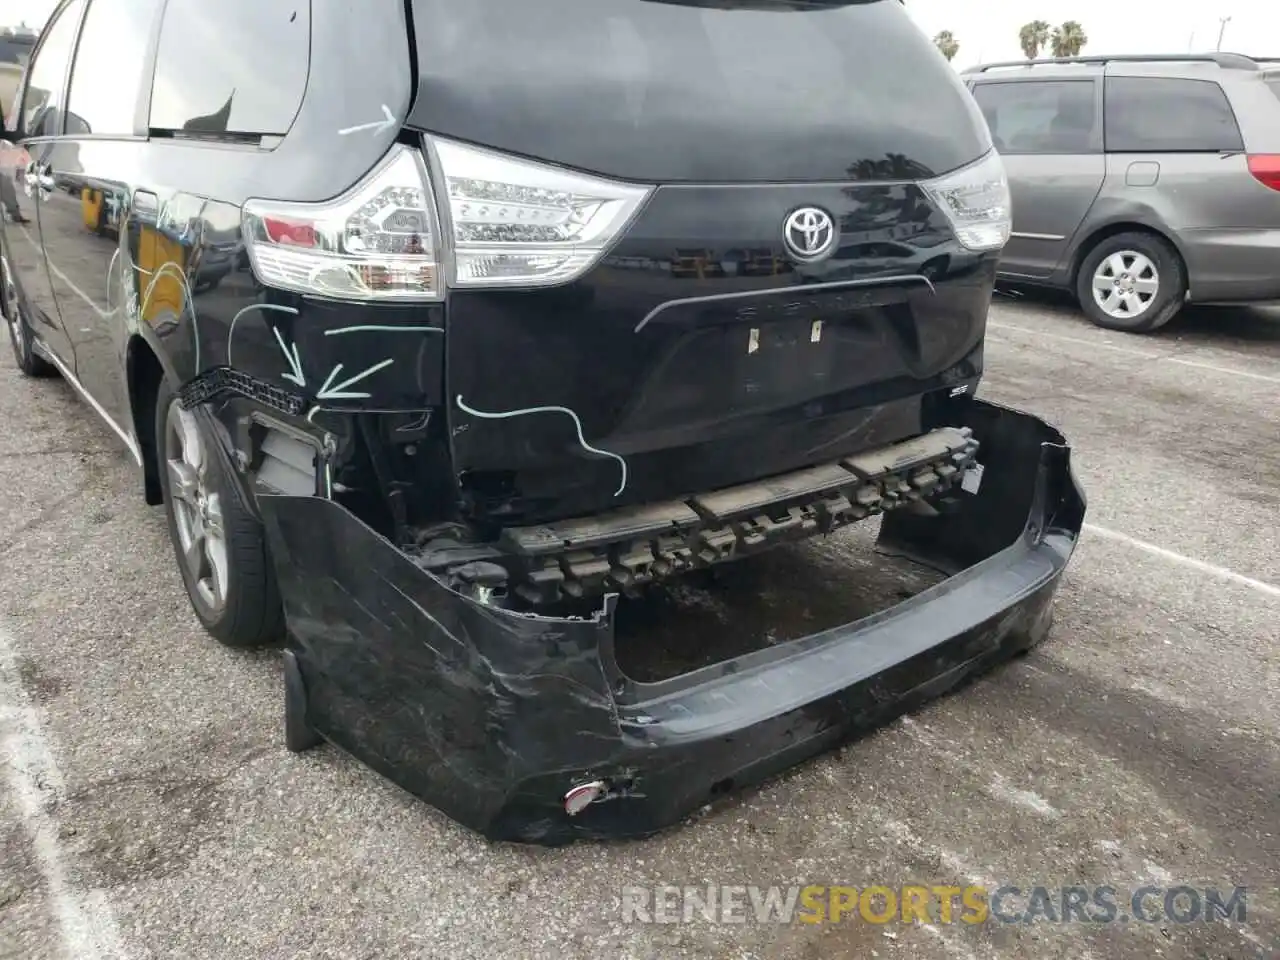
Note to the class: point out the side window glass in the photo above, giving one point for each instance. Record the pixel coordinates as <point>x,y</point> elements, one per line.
<point>1049,116</point>
<point>42,104</point>
<point>107,77</point>
<point>1160,115</point>
<point>252,87</point>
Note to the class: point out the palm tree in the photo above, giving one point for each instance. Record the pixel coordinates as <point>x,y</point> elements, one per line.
<point>1069,39</point>
<point>947,43</point>
<point>1033,37</point>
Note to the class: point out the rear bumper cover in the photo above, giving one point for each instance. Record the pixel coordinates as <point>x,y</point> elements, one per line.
<point>1232,264</point>
<point>493,716</point>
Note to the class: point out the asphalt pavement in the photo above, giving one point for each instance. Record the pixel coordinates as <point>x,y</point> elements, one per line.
<point>148,807</point>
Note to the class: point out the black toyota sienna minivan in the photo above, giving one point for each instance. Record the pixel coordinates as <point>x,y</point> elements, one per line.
<point>442,328</point>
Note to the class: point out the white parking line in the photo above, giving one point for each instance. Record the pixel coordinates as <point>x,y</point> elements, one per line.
<point>1095,344</point>
<point>85,921</point>
<point>1247,374</point>
<point>1132,352</point>
<point>1221,573</point>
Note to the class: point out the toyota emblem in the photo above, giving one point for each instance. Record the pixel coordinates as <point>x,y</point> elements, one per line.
<point>810,234</point>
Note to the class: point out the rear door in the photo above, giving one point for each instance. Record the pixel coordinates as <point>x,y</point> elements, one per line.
<point>1049,133</point>
<point>91,165</point>
<point>1175,152</point>
<point>699,351</point>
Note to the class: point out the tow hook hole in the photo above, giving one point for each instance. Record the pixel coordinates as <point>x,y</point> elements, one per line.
<point>721,788</point>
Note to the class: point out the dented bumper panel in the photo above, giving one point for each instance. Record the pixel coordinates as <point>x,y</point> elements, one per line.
<point>494,716</point>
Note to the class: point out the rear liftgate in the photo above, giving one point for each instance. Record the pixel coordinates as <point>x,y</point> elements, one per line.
<point>523,727</point>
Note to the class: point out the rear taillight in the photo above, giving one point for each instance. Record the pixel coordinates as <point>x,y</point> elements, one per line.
<point>378,241</point>
<point>512,223</point>
<point>520,223</point>
<point>976,201</point>
<point>1266,169</point>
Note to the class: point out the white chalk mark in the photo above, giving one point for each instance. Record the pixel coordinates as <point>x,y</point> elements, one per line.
<point>85,921</point>
<point>174,270</point>
<point>567,412</point>
<point>312,412</point>
<point>1001,789</point>
<point>291,356</point>
<point>388,329</point>
<point>388,120</point>
<point>1220,573</point>
<point>110,270</point>
<point>331,391</point>
<point>240,313</point>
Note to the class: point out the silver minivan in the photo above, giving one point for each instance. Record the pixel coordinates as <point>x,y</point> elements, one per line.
<point>1140,183</point>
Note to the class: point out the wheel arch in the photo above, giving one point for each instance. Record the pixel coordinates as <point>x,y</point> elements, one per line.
<point>145,368</point>
<point>1099,232</point>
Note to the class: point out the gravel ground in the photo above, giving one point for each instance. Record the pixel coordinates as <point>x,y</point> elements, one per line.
<point>148,808</point>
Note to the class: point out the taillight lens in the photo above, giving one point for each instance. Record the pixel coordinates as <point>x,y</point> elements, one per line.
<point>1266,169</point>
<point>520,223</point>
<point>976,201</point>
<point>378,241</point>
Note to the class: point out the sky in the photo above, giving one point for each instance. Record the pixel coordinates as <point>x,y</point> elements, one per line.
<point>988,29</point>
<point>34,12</point>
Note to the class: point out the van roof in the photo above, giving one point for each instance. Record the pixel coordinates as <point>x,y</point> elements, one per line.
<point>1226,61</point>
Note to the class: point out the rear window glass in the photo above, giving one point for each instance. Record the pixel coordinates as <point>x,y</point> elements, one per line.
<point>1050,116</point>
<point>231,66</point>
<point>1162,115</point>
<point>696,89</point>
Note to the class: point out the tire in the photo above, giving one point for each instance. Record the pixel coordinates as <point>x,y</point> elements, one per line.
<point>231,585</point>
<point>1147,275</point>
<point>20,337</point>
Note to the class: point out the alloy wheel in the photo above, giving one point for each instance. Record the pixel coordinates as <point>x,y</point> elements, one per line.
<point>1125,284</point>
<point>197,509</point>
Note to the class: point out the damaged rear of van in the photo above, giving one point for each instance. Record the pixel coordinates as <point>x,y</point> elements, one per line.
<point>538,305</point>
<point>711,277</point>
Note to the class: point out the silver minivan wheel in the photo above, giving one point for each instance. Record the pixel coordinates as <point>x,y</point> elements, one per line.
<point>1126,284</point>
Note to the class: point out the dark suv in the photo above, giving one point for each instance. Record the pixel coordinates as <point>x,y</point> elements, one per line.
<point>441,329</point>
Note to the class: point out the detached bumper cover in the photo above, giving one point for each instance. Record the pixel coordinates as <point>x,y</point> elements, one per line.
<point>494,716</point>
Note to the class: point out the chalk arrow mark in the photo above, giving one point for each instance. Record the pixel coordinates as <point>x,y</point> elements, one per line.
<point>331,391</point>
<point>291,356</point>
<point>388,120</point>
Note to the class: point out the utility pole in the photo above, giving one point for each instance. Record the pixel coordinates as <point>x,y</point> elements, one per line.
<point>1222,28</point>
